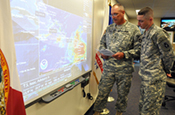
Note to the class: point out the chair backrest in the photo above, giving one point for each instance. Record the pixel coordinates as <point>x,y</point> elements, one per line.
<point>173,68</point>
<point>171,81</point>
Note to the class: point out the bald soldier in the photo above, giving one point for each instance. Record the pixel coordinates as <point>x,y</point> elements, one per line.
<point>121,38</point>
<point>156,61</point>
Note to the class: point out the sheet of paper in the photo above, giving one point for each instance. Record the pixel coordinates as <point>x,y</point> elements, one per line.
<point>106,52</point>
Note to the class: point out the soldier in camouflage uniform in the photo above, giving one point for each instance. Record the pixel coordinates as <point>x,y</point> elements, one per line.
<point>121,38</point>
<point>156,60</point>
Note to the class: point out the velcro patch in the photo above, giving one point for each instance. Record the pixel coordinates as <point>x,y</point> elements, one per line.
<point>165,45</point>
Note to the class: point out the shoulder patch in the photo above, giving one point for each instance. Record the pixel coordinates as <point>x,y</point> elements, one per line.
<point>165,45</point>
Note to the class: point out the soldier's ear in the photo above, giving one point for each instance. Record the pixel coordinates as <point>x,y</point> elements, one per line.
<point>151,19</point>
<point>123,12</point>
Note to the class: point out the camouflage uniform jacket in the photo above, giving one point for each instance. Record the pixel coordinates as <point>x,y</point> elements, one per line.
<point>123,39</point>
<point>157,54</point>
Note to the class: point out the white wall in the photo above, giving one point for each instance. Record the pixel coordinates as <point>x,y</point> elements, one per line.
<point>72,102</point>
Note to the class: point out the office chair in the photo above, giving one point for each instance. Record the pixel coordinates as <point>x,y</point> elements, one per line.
<point>170,83</point>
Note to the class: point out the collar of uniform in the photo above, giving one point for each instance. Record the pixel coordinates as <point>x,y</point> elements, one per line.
<point>146,33</point>
<point>152,26</point>
<point>120,26</point>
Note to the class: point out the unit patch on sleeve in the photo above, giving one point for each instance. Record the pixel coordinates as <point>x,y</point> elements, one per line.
<point>165,45</point>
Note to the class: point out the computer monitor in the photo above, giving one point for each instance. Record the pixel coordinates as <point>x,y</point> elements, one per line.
<point>168,24</point>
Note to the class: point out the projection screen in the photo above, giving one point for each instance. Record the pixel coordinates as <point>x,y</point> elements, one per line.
<point>53,43</point>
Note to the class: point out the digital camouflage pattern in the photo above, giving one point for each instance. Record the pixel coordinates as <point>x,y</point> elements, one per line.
<point>121,39</point>
<point>124,38</point>
<point>156,60</point>
<point>123,83</point>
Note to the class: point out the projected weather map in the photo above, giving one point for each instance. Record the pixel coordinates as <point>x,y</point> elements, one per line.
<point>51,45</point>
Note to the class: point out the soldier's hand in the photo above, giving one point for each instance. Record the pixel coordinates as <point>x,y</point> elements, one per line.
<point>104,56</point>
<point>118,55</point>
<point>169,75</point>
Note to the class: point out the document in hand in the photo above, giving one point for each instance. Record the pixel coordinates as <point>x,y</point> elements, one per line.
<point>106,52</point>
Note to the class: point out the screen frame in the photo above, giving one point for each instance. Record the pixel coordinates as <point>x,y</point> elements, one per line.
<point>34,100</point>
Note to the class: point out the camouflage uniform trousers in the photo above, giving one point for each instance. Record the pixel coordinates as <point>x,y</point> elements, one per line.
<point>151,97</point>
<point>123,82</point>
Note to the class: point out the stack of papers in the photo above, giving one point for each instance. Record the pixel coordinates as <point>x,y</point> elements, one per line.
<point>106,52</point>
